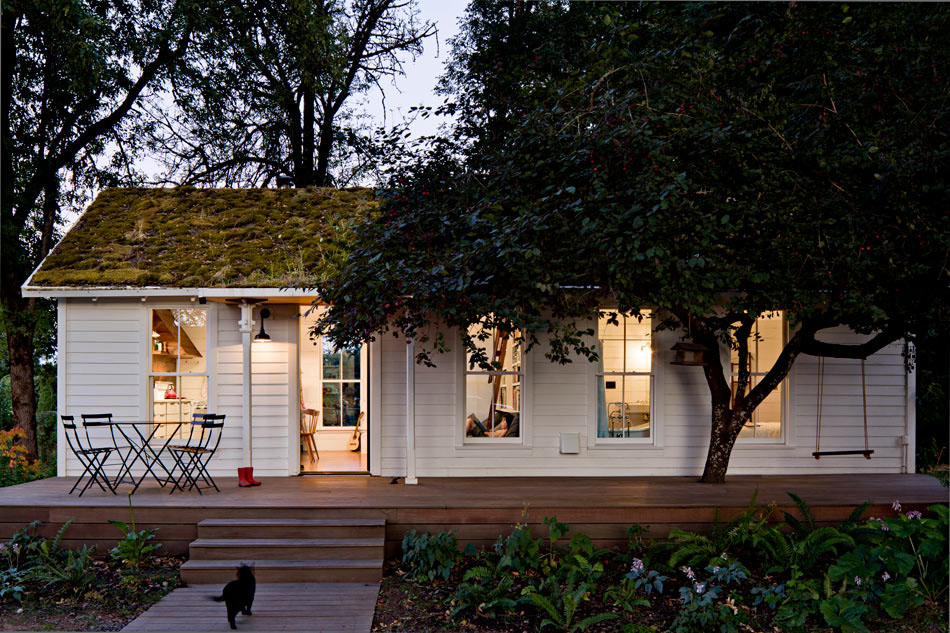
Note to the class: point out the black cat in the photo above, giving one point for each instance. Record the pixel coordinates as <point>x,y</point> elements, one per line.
<point>238,594</point>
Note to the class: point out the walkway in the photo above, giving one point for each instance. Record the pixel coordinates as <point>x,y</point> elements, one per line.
<point>325,607</point>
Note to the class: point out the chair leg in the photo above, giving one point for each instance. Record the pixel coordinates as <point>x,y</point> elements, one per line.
<point>203,471</point>
<point>313,440</point>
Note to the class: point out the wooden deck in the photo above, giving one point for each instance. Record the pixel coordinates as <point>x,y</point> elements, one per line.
<point>327,607</point>
<point>478,508</point>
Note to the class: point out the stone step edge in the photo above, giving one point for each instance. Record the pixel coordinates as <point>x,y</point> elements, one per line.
<point>292,523</point>
<point>288,542</point>
<point>284,564</point>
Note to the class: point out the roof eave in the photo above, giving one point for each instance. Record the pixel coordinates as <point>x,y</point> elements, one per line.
<point>54,292</point>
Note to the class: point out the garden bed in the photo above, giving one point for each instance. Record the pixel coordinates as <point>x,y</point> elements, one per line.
<point>753,574</point>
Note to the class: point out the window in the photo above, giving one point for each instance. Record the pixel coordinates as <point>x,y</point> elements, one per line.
<point>341,385</point>
<point>624,376</point>
<point>493,399</point>
<point>765,344</point>
<point>178,379</point>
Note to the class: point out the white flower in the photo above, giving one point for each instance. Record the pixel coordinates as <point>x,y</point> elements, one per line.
<point>914,514</point>
<point>636,566</point>
<point>857,580</point>
<point>689,572</point>
<point>723,556</point>
<point>884,527</point>
<point>715,570</point>
<point>885,576</point>
<point>897,506</point>
<point>700,587</point>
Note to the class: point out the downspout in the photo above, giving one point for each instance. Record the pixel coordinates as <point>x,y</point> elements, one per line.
<point>246,324</point>
<point>411,413</point>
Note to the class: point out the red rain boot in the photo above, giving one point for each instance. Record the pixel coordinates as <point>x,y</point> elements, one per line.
<point>242,478</point>
<point>250,476</point>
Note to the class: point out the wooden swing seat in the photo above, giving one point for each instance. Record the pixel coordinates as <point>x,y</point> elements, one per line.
<point>867,453</point>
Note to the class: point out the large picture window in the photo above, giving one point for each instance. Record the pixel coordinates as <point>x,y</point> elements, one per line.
<point>624,376</point>
<point>178,377</point>
<point>493,399</point>
<point>765,345</point>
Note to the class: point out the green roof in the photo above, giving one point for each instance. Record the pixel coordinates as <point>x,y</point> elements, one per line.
<point>207,238</point>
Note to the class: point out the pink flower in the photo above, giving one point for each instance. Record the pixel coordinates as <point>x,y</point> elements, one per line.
<point>914,514</point>
<point>897,506</point>
<point>637,566</point>
<point>689,572</point>
<point>885,576</point>
<point>884,527</point>
<point>700,587</point>
<point>857,580</point>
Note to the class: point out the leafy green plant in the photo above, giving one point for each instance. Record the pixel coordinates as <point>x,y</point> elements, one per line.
<point>427,556</point>
<point>520,552</point>
<point>845,613</point>
<point>71,569</point>
<point>802,596</point>
<point>134,548</point>
<point>12,583</point>
<point>702,609</point>
<point>483,593</point>
<point>561,606</point>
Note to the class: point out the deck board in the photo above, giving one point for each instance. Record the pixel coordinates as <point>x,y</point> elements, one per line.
<point>325,607</point>
<point>478,508</point>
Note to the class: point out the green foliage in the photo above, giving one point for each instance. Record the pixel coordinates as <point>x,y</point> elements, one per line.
<point>427,556</point>
<point>134,548</point>
<point>704,608</point>
<point>561,606</point>
<point>485,592</point>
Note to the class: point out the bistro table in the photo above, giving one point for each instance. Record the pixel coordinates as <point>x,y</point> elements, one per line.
<point>141,451</point>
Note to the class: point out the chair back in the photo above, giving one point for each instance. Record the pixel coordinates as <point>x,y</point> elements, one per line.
<point>210,426</point>
<point>98,419</point>
<point>72,434</point>
<point>308,420</point>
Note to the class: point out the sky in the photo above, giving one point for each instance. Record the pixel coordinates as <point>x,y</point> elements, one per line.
<point>417,88</point>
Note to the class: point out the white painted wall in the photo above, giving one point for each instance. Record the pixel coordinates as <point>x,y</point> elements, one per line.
<point>104,354</point>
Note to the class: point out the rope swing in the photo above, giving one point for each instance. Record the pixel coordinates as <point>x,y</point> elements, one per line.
<point>867,452</point>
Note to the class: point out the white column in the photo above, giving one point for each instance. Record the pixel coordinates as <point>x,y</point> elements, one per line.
<point>247,325</point>
<point>910,414</point>
<point>411,413</point>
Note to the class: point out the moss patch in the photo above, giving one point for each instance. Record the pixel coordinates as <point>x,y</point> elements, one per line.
<point>209,238</point>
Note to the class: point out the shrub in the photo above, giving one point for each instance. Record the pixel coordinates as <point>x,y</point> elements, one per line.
<point>134,548</point>
<point>427,556</point>
<point>484,592</point>
<point>15,468</point>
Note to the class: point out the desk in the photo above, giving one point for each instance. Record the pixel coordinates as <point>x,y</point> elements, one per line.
<point>141,451</point>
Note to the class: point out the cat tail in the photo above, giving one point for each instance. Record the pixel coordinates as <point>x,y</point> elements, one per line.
<point>216,598</point>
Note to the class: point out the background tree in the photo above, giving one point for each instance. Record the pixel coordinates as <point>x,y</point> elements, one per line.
<point>72,71</point>
<point>269,85</point>
<point>713,163</point>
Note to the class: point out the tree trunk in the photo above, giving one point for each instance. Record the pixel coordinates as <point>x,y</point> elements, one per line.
<point>304,175</point>
<point>721,441</point>
<point>20,350</point>
<point>322,179</point>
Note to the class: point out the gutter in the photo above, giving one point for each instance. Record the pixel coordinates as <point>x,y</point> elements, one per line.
<point>158,291</point>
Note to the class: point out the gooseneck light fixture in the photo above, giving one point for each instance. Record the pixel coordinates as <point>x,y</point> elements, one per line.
<point>262,335</point>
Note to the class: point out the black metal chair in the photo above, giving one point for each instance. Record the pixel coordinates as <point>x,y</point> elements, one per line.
<point>91,457</point>
<point>192,458</point>
<point>121,447</point>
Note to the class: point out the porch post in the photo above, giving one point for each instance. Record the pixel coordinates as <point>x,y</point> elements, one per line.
<point>246,324</point>
<point>411,413</point>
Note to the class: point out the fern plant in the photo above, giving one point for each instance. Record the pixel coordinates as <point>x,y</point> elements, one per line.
<point>562,605</point>
<point>484,594</point>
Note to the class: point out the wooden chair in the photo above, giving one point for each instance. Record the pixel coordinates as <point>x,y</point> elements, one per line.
<point>308,431</point>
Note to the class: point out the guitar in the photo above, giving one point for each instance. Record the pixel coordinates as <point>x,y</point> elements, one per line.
<point>354,443</point>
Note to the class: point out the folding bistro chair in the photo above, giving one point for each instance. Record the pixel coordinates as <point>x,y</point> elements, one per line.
<point>192,458</point>
<point>92,458</point>
<point>122,449</point>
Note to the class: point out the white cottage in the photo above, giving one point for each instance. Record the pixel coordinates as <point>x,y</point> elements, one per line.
<point>181,301</point>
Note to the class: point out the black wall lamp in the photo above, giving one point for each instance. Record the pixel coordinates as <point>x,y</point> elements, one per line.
<point>262,335</point>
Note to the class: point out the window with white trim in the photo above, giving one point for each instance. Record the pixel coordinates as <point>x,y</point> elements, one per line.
<point>624,376</point>
<point>766,342</point>
<point>178,376</point>
<point>494,400</point>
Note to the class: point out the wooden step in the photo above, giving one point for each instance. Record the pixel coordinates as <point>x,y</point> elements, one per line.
<point>292,528</point>
<point>202,572</point>
<point>286,549</point>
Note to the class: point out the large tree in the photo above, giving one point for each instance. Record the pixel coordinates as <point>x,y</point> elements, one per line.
<point>269,87</point>
<point>72,72</point>
<point>713,163</point>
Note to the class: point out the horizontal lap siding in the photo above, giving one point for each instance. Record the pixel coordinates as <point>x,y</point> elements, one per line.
<point>561,403</point>
<point>271,367</point>
<point>105,365</point>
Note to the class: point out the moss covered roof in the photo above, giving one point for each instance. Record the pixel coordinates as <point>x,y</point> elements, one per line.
<point>207,238</point>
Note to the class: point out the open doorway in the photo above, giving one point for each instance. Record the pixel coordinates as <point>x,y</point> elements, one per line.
<point>333,403</point>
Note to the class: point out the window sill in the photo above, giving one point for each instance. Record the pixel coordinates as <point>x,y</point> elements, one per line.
<point>621,445</point>
<point>482,446</point>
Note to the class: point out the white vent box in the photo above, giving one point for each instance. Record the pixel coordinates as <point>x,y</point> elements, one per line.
<point>570,443</point>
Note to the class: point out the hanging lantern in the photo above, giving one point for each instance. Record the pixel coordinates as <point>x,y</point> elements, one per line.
<point>689,354</point>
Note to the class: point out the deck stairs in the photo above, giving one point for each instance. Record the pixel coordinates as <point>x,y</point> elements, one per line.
<point>287,550</point>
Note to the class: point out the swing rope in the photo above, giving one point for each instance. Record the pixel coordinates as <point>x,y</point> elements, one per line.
<point>867,452</point>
